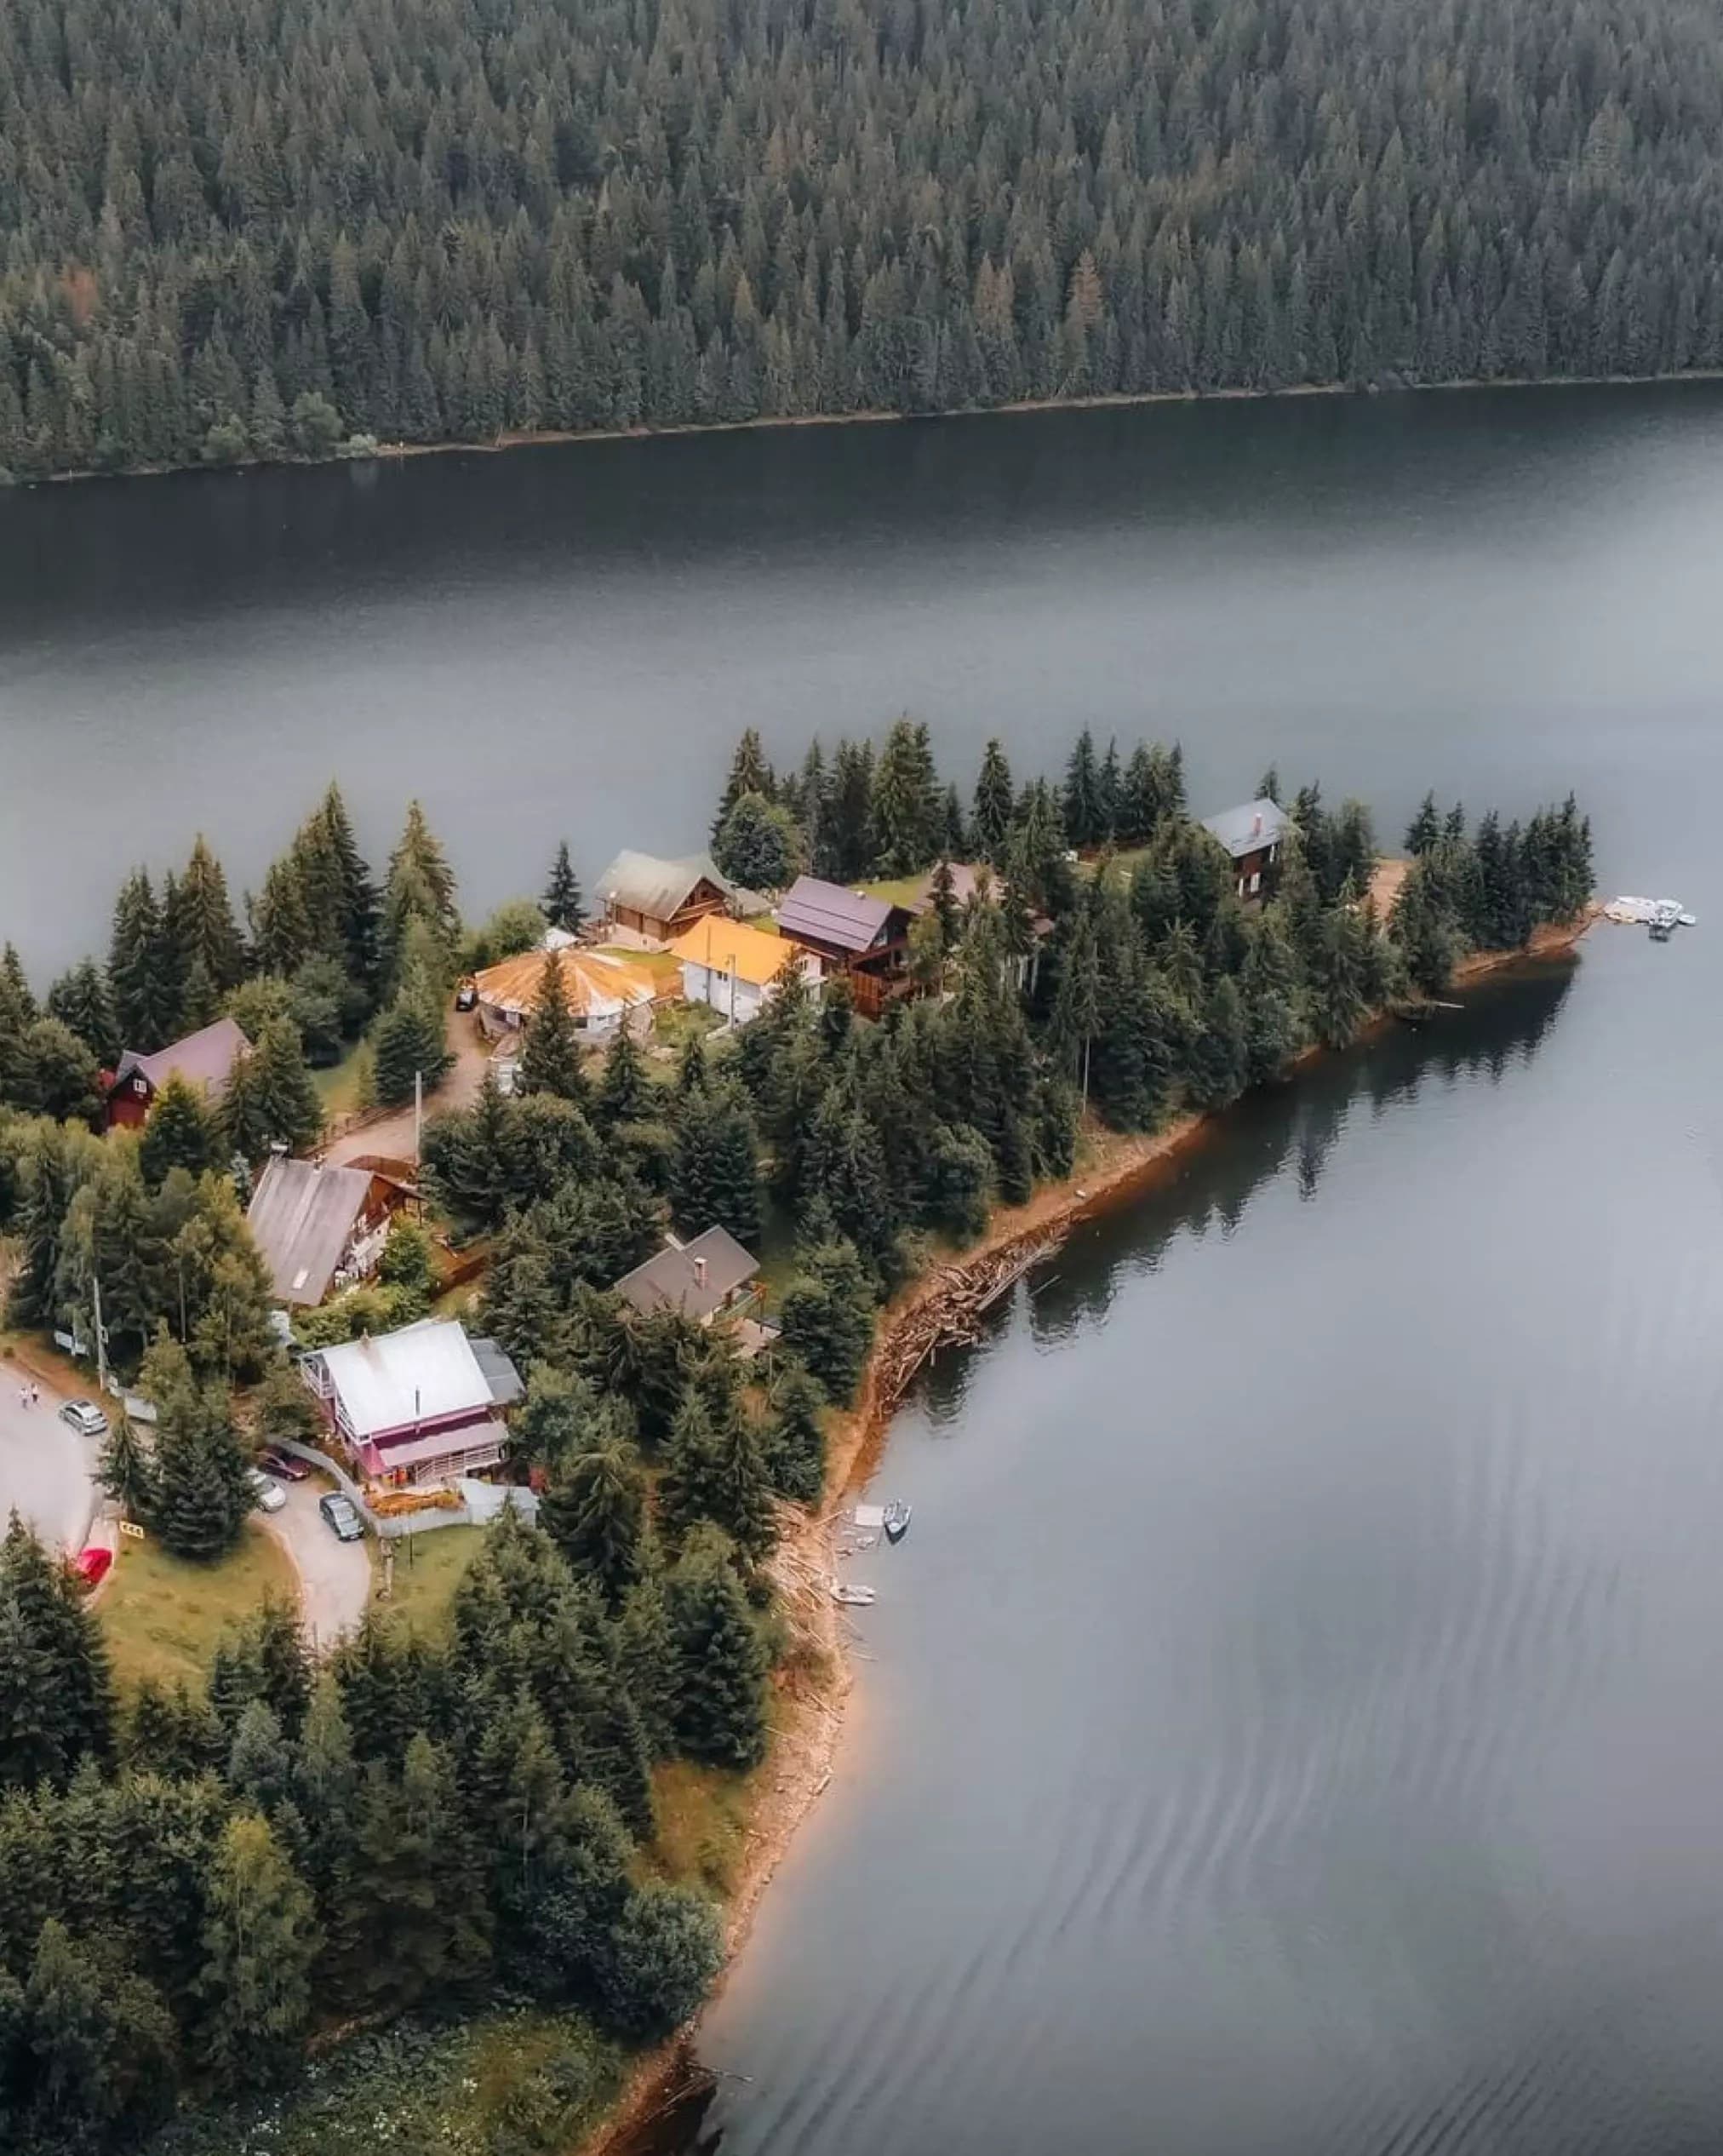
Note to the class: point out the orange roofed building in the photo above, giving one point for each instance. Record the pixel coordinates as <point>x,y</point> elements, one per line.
<point>603,992</point>
<point>735,968</point>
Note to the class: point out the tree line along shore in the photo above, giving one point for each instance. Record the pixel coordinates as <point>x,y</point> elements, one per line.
<point>268,234</point>
<point>430,1834</point>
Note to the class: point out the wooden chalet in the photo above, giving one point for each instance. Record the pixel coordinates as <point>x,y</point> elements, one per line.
<point>657,900</point>
<point>1253,836</point>
<point>318,1228</point>
<point>204,1060</point>
<point>865,938</point>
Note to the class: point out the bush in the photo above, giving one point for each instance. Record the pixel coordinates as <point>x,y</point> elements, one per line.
<point>664,1953</point>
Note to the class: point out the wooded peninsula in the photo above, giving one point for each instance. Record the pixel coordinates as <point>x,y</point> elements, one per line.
<point>260,233</point>
<point>303,1888</point>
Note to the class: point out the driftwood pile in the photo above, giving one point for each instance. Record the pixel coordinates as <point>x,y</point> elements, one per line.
<point>949,1315</point>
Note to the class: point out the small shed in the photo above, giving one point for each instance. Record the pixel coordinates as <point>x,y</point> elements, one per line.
<point>733,968</point>
<point>1253,835</point>
<point>204,1060</point>
<point>657,900</point>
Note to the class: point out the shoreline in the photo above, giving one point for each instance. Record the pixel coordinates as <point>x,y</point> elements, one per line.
<point>1116,1170</point>
<point>1119,400</point>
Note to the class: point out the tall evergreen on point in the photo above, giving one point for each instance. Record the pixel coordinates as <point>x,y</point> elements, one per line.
<point>561,904</point>
<point>144,996</point>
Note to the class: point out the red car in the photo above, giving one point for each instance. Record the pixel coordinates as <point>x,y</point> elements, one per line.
<point>92,1565</point>
<point>273,1461</point>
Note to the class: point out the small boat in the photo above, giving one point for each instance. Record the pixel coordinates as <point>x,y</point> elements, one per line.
<point>895,1519</point>
<point>855,1598</point>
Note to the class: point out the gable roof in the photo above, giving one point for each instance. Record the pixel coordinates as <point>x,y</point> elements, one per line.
<point>659,889</point>
<point>848,919</point>
<point>204,1060</point>
<point>966,882</point>
<point>301,1218</point>
<point>1249,828</point>
<point>673,1279</point>
<point>424,1372</point>
<point>730,947</point>
<point>595,985</point>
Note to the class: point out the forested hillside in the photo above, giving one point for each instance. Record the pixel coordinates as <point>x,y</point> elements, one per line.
<point>260,227</point>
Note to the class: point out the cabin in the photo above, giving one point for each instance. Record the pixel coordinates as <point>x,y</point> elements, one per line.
<point>421,1406</point>
<point>1253,836</point>
<point>318,1229</point>
<point>702,1279</point>
<point>735,969</point>
<point>204,1060</point>
<point>603,993</point>
<point>657,900</point>
<point>864,938</point>
<point>969,882</point>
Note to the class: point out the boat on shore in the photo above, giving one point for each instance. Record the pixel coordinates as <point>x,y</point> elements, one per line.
<point>895,1519</point>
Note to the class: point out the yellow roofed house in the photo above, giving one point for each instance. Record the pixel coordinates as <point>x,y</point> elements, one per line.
<point>603,992</point>
<point>733,967</point>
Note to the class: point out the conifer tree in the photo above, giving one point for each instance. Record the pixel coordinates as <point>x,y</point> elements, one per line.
<point>1082,805</point>
<point>420,887</point>
<point>625,1090</point>
<point>56,1700</point>
<point>661,1955</point>
<point>749,773</point>
<point>416,1911</point>
<point>826,1318</point>
<point>202,1493</point>
<point>561,904</point>
<point>908,806</point>
<point>181,1134</point>
<point>550,1061</point>
<point>719,1714</point>
<point>99,2045</point>
<point>714,1164</point>
<point>272,1098</point>
<point>410,1042</point>
<point>260,1941</point>
<point>795,1438</point>
<point>995,802</point>
<point>1425,829</point>
<point>595,1511</point>
<point>80,999</point>
<point>125,1470</point>
<point>758,845</point>
<point>209,934</point>
<point>144,997</point>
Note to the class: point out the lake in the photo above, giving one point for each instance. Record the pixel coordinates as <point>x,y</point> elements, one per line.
<point>1493,593</point>
<point>1294,1724</point>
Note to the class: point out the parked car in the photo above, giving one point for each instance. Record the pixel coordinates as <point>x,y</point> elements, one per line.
<point>466,996</point>
<point>342,1516</point>
<point>266,1493</point>
<point>85,1417</point>
<point>92,1565</point>
<point>284,1467</point>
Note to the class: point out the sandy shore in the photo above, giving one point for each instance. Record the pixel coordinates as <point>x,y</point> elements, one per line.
<point>1113,1170</point>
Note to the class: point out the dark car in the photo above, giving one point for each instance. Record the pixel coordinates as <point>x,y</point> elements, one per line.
<point>283,1465</point>
<point>466,996</point>
<point>343,1516</point>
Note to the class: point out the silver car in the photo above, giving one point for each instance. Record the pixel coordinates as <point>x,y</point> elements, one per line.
<point>85,1417</point>
<point>267,1494</point>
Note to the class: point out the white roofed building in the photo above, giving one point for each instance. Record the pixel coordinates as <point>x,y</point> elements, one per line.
<point>420,1404</point>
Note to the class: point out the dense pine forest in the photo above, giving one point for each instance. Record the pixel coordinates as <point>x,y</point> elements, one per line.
<point>259,231</point>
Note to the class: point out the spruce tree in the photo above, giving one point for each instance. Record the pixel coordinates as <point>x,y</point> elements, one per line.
<point>719,1714</point>
<point>272,1098</point>
<point>994,800</point>
<point>595,1511</point>
<point>181,1134</point>
<point>409,1041</point>
<point>1425,829</point>
<point>260,1941</point>
<point>143,996</point>
<point>550,1061</point>
<point>749,773</point>
<point>80,999</point>
<point>1082,803</point>
<point>415,1913</point>
<point>825,1317</point>
<point>625,1091</point>
<point>56,1699</point>
<point>420,887</point>
<point>795,1437</point>
<point>202,1493</point>
<point>125,1472</point>
<point>210,935</point>
<point>561,904</point>
<point>907,806</point>
<point>100,2044</point>
<point>714,1164</point>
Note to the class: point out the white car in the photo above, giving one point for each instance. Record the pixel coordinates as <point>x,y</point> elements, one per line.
<point>267,1494</point>
<point>85,1417</point>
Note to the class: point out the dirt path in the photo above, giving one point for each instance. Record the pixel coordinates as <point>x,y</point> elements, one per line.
<point>391,1136</point>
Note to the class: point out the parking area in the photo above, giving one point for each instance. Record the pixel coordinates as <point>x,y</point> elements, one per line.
<point>335,1578</point>
<point>47,1470</point>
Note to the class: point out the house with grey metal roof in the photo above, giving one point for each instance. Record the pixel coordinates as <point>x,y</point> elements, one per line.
<point>657,900</point>
<point>702,1278</point>
<point>1253,834</point>
<point>316,1227</point>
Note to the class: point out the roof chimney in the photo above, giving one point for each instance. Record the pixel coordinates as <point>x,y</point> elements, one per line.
<point>699,1272</point>
<point>1256,824</point>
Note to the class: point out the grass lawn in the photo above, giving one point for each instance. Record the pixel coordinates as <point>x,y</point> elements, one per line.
<point>427,1571</point>
<point>163,1617</point>
<point>337,1086</point>
<point>664,971</point>
<point>896,890</point>
<point>674,1025</point>
<point>702,1824</point>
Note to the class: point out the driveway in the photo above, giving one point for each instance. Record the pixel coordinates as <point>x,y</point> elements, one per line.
<point>390,1136</point>
<point>47,1470</point>
<point>335,1578</point>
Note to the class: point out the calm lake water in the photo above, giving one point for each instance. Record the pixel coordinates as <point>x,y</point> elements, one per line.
<point>1294,1725</point>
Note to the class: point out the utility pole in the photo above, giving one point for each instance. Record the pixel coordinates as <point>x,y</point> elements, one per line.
<point>418,1114</point>
<point>101,1335</point>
